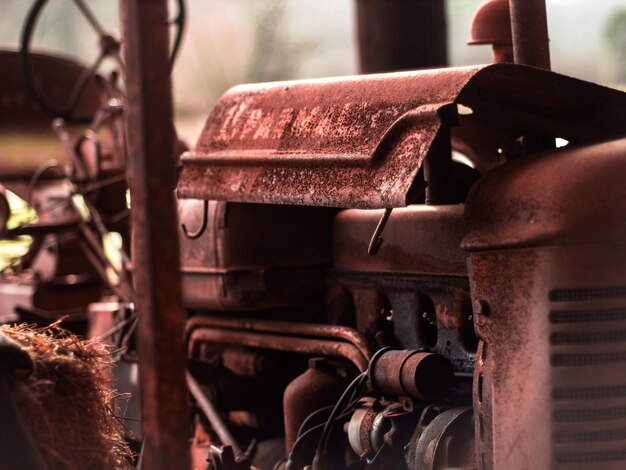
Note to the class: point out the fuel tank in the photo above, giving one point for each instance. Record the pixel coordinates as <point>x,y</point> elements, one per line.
<point>253,256</point>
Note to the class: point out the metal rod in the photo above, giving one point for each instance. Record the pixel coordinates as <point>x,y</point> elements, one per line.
<point>275,342</point>
<point>377,238</point>
<point>286,328</point>
<point>91,18</point>
<point>155,252</point>
<point>529,27</point>
<point>217,424</point>
<point>531,46</point>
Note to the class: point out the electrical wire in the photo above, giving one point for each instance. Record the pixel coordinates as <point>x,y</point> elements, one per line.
<point>351,390</point>
<point>39,172</point>
<point>309,418</point>
<point>304,433</point>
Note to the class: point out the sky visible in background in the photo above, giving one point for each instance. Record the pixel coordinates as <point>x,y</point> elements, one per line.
<point>236,41</point>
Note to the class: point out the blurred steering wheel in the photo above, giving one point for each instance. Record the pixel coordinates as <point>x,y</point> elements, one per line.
<point>109,47</point>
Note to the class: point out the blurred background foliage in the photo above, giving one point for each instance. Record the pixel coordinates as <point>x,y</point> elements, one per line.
<point>236,41</point>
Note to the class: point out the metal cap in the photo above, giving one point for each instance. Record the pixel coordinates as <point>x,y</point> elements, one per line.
<point>491,24</point>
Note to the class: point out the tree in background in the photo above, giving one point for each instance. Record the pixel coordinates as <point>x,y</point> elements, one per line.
<point>615,33</point>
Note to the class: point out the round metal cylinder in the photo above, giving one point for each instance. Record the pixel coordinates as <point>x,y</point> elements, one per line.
<point>421,375</point>
<point>319,386</point>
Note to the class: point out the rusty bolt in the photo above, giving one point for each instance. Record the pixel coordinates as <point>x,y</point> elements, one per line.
<point>481,307</point>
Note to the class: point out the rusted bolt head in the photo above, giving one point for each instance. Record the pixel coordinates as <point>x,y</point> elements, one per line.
<point>491,24</point>
<point>481,307</point>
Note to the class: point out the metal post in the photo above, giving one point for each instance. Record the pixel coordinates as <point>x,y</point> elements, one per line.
<point>529,26</point>
<point>155,252</point>
<point>401,34</point>
<point>531,46</point>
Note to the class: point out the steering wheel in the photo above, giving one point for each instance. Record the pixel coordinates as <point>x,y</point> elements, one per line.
<point>109,47</point>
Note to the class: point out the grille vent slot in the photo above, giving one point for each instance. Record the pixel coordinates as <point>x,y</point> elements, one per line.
<point>575,295</point>
<point>589,414</point>
<point>588,316</point>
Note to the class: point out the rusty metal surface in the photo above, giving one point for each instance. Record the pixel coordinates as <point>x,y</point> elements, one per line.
<point>529,26</point>
<point>360,141</point>
<point>401,35</point>
<point>547,284</point>
<point>319,386</point>
<point>253,257</point>
<point>560,321</point>
<point>491,24</point>
<point>409,372</point>
<point>296,329</point>
<point>446,442</point>
<point>546,201</point>
<point>412,312</point>
<point>55,74</point>
<point>418,240</point>
<point>217,424</point>
<point>155,251</point>
<point>252,339</point>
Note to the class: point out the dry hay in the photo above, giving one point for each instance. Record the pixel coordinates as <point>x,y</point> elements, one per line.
<point>67,404</point>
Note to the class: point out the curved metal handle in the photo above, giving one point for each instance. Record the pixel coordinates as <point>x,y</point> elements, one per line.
<point>205,223</point>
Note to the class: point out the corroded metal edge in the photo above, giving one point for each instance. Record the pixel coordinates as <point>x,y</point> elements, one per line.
<point>360,141</point>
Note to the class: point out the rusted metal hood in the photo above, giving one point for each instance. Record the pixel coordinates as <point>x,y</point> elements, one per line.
<point>360,141</point>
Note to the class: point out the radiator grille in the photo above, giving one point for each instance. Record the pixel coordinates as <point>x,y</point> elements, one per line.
<point>585,358</point>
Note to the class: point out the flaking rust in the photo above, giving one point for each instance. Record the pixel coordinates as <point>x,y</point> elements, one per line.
<point>361,141</point>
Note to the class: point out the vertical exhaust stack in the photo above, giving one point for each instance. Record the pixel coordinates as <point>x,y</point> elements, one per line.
<point>529,25</point>
<point>401,35</point>
<point>531,46</point>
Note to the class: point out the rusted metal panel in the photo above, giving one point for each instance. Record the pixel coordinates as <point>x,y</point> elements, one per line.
<point>548,255</point>
<point>420,239</point>
<point>546,202</point>
<point>155,251</point>
<point>262,256</point>
<point>360,141</point>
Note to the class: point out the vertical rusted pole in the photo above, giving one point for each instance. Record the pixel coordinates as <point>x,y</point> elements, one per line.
<point>529,26</point>
<point>401,34</point>
<point>151,178</point>
<point>531,46</point>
